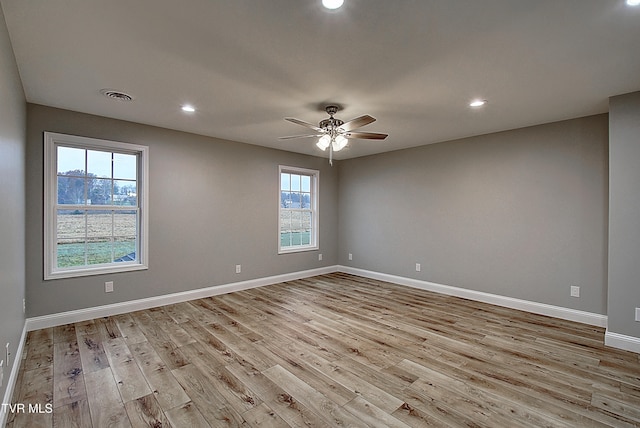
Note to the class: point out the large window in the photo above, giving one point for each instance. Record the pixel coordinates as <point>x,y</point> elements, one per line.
<point>298,220</point>
<point>95,206</point>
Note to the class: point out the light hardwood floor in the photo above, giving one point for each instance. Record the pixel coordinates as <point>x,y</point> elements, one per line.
<point>332,350</point>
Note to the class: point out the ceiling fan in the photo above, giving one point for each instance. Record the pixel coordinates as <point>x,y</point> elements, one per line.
<point>333,133</point>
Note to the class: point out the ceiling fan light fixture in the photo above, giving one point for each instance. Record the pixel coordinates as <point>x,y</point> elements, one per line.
<point>334,133</point>
<point>339,143</point>
<point>332,4</point>
<point>324,142</point>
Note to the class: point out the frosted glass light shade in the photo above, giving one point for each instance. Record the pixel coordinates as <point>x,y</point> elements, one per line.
<point>339,143</point>
<point>324,142</point>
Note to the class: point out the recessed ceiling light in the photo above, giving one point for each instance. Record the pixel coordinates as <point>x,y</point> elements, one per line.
<point>188,108</point>
<point>477,103</point>
<point>633,2</point>
<point>332,4</point>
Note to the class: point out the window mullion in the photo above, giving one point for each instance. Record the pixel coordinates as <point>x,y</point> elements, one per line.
<point>112,181</point>
<point>86,243</point>
<point>113,231</point>
<point>86,177</point>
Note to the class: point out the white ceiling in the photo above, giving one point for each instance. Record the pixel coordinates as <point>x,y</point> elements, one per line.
<point>247,64</point>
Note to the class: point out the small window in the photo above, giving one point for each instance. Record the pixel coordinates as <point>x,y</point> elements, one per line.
<point>95,206</point>
<point>298,202</point>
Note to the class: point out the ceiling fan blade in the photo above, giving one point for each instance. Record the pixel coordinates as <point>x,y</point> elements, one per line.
<point>299,136</point>
<point>303,123</point>
<point>357,122</point>
<point>366,135</point>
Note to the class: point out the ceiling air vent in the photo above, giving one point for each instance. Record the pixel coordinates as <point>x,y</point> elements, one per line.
<point>116,95</point>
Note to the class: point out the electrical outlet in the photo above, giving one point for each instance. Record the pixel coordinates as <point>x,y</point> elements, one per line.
<point>637,314</point>
<point>320,256</point>
<point>575,291</point>
<point>418,267</point>
<point>8,357</point>
<point>350,256</point>
<point>108,287</point>
<point>24,306</point>
<point>238,268</point>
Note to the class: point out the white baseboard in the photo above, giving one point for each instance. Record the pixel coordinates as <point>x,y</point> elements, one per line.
<point>620,341</point>
<point>79,315</point>
<point>611,339</point>
<point>494,299</point>
<point>13,377</point>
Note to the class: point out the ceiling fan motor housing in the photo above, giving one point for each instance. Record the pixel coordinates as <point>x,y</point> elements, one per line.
<point>330,123</point>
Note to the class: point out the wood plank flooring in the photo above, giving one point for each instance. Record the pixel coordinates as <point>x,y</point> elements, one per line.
<point>332,350</point>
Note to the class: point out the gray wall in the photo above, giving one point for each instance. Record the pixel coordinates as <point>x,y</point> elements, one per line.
<point>12,199</point>
<point>213,204</point>
<point>624,214</point>
<point>521,213</point>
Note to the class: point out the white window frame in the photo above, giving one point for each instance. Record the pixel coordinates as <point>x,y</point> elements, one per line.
<point>51,142</point>
<point>315,184</point>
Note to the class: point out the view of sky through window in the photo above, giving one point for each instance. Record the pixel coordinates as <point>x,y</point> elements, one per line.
<point>97,162</point>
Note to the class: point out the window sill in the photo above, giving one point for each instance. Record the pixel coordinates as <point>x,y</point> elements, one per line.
<point>99,270</point>
<point>298,250</point>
